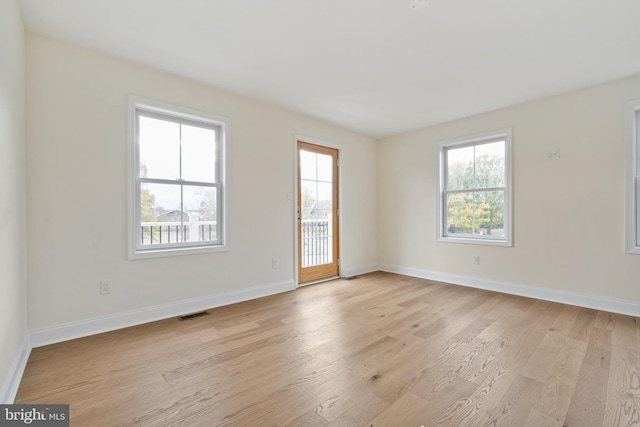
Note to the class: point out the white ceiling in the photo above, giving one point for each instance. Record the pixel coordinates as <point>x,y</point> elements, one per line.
<point>375,66</point>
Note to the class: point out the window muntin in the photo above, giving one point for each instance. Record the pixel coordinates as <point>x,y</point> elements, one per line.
<point>632,175</point>
<point>474,197</point>
<point>178,181</point>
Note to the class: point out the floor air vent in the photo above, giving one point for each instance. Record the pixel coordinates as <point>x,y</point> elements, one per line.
<point>193,315</point>
<point>352,278</point>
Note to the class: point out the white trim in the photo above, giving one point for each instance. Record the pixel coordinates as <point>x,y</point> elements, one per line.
<point>631,168</point>
<point>319,142</point>
<point>83,328</point>
<point>356,271</point>
<point>11,384</point>
<point>340,148</point>
<point>135,102</point>
<point>507,134</point>
<point>570,298</point>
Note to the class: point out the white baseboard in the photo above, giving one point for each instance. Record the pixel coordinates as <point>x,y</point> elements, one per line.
<point>83,328</point>
<point>355,271</point>
<point>571,298</point>
<point>10,386</point>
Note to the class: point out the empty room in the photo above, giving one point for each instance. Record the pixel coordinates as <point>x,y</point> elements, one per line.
<point>319,213</point>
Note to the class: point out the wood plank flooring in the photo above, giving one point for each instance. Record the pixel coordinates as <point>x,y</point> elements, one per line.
<point>381,350</point>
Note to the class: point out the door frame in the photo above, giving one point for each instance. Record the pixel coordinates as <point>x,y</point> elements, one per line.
<point>296,251</point>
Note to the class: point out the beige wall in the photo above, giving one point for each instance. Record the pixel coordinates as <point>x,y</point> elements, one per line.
<point>13,309</point>
<point>568,214</point>
<point>77,200</point>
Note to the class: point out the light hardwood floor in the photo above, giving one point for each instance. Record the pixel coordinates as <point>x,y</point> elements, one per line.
<point>381,350</point>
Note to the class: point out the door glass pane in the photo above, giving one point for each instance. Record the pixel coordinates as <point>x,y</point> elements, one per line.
<point>325,196</point>
<point>316,189</point>
<point>309,202</point>
<point>308,165</point>
<point>325,167</point>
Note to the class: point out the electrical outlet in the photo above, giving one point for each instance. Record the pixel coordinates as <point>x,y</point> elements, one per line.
<point>275,263</point>
<point>475,259</point>
<point>553,154</point>
<point>105,287</point>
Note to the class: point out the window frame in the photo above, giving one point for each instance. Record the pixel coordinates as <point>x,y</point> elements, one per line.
<point>474,140</point>
<point>182,115</point>
<point>632,177</point>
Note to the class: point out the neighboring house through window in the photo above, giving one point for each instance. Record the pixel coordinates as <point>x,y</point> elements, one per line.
<point>178,180</point>
<point>474,200</point>
<point>632,175</point>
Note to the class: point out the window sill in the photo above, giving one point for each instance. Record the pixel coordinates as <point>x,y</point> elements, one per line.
<point>171,252</point>
<point>467,241</point>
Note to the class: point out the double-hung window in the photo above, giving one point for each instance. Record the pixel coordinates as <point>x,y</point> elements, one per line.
<point>474,199</point>
<point>632,175</point>
<point>178,185</point>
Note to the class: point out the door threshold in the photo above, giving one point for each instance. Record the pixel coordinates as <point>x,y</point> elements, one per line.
<point>313,282</point>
